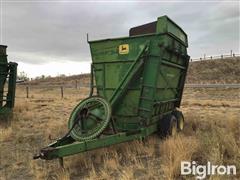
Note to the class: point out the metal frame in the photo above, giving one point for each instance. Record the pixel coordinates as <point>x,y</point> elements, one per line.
<point>60,148</point>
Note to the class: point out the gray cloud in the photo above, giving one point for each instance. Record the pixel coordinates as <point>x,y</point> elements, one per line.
<point>40,32</point>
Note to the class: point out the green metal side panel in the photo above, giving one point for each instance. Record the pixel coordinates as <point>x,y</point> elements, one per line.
<point>110,68</point>
<point>165,24</point>
<point>157,87</point>
<point>105,51</point>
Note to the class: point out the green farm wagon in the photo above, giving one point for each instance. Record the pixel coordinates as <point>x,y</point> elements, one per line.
<point>136,89</point>
<point>8,75</point>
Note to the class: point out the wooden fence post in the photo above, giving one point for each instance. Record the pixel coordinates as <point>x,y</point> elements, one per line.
<point>76,85</point>
<point>27,91</point>
<point>61,91</point>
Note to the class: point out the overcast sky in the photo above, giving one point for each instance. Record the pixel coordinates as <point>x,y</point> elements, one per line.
<point>50,37</point>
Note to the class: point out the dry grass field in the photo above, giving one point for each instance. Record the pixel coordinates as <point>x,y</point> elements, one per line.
<point>215,71</point>
<point>211,134</point>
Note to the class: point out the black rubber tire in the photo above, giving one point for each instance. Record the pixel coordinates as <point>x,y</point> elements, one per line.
<point>180,119</point>
<point>167,126</point>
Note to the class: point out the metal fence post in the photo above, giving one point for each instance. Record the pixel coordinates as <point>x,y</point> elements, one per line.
<point>27,91</point>
<point>61,91</point>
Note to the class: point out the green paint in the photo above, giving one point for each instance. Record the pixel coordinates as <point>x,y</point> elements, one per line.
<point>142,78</point>
<point>7,70</point>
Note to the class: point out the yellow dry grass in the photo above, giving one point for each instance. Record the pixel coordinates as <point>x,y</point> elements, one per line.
<point>175,150</point>
<point>211,134</point>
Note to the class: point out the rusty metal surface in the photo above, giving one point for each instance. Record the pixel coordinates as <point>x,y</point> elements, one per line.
<point>143,29</point>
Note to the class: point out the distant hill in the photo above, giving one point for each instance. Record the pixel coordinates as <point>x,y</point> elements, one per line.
<point>205,71</point>
<point>60,80</point>
<point>214,71</point>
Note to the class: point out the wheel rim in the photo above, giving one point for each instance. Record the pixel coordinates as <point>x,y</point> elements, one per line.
<point>89,118</point>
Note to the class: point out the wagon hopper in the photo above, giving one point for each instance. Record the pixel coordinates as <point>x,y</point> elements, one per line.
<point>138,82</point>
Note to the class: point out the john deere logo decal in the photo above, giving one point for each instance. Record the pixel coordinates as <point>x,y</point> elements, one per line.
<point>123,49</point>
